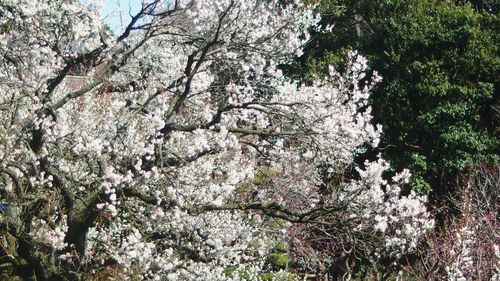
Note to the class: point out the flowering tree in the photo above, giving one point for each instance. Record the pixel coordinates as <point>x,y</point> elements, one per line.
<point>145,167</point>
<point>468,246</point>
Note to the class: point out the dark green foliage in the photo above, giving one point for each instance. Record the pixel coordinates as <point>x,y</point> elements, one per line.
<point>439,60</point>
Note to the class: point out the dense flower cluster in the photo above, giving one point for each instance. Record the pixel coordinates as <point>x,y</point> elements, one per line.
<point>462,255</point>
<point>403,220</point>
<point>142,164</point>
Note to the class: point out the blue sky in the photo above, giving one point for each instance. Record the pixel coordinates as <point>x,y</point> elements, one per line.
<point>116,13</point>
<point>113,9</point>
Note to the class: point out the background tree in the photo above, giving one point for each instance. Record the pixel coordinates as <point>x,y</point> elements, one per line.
<point>440,64</point>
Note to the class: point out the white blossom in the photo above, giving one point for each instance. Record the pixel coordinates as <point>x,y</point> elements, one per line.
<point>131,149</point>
